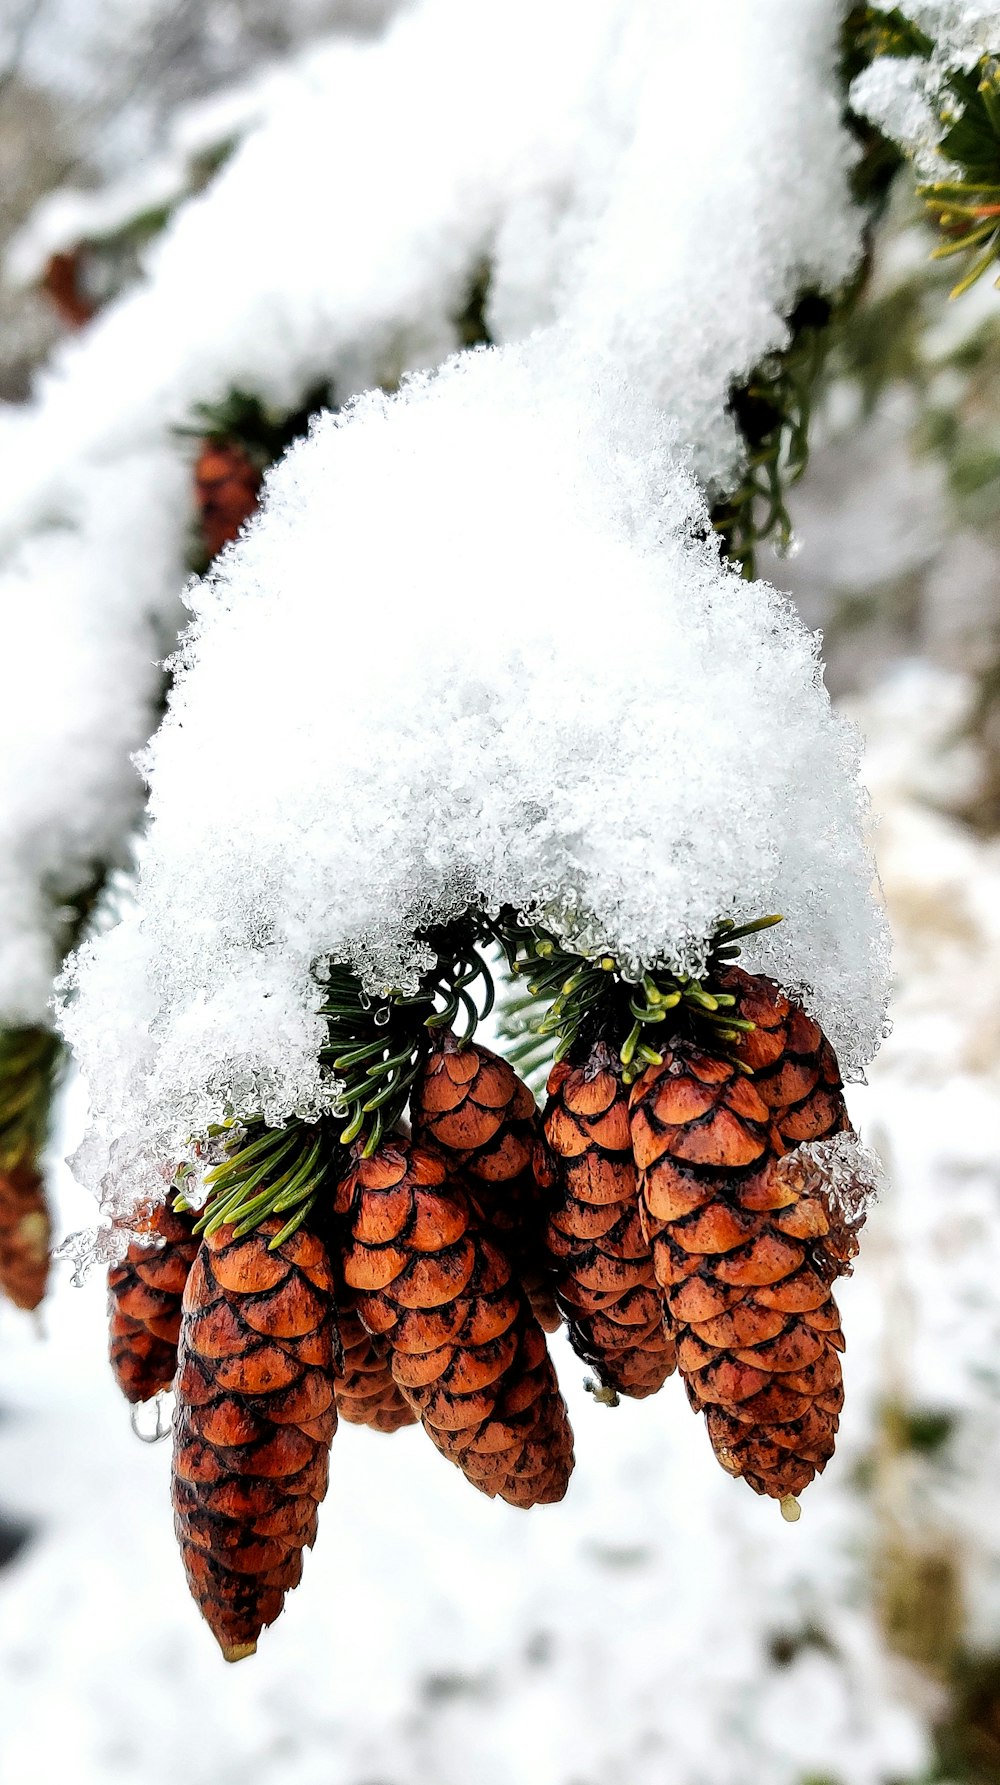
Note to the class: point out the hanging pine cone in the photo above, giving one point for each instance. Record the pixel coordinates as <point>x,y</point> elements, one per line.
<point>144,1303</point>
<point>474,1108</point>
<point>794,1068</point>
<point>739,1253</point>
<point>227,484</point>
<point>254,1419</point>
<point>605,1283</point>
<point>465,1348</point>
<point>366,1392</point>
<point>62,284</point>
<point>25,1232</point>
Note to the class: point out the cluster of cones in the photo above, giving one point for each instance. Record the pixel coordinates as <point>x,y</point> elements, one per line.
<point>654,1219</point>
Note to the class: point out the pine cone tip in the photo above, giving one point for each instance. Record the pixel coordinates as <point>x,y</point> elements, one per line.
<point>237,1651</point>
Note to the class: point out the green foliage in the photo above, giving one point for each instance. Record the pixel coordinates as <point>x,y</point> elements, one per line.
<point>264,433</point>
<point>578,998</point>
<point>30,1060</point>
<point>773,412</point>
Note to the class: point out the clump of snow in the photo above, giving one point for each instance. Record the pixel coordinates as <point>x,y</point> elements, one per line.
<point>477,646</point>
<point>537,143</point>
<point>896,93</point>
<point>846,1175</point>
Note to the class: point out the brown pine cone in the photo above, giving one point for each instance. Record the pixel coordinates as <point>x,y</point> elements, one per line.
<point>227,485</point>
<point>144,1303</point>
<point>366,1392</point>
<point>254,1418</point>
<point>465,1349</point>
<point>61,283</point>
<point>25,1232</point>
<point>604,1278</point>
<point>472,1105</point>
<point>746,1277</point>
<point>794,1067</point>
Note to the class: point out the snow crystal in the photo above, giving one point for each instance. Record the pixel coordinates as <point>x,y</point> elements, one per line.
<point>565,703</point>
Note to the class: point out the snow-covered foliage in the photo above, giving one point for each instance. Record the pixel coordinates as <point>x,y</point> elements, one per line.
<point>906,97</point>
<point>588,717</point>
<point>116,69</point>
<point>565,704</point>
<point>536,684</point>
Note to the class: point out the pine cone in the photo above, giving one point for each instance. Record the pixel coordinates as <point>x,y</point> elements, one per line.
<point>61,283</point>
<point>254,1418</point>
<point>227,483</point>
<point>366,1392</point>
<point>466,1351</point>
<point>144,1304</point>
<point>605,1283</point>
<point>794,1068</point>
<point>24,1235</point>
<point>474,1108</point>
<point>739,1253</point>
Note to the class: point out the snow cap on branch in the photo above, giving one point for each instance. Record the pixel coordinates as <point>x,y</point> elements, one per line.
<point>479,645</point>
<point>542,140</point>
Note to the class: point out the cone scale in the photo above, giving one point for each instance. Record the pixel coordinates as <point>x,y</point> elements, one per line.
<point>366,1392</point>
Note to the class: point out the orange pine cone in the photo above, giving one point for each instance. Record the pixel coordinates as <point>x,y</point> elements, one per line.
<point>254,1419</point>
<point>227,484</point>
<point>605,1282</point>
<point>473,1106</point>
<point>144,1304</point>
<point>366,1392</point>
<point>794,1067</point>
<point>465,1349</point>
<point>25,1231</point>
<point>739,1252</point>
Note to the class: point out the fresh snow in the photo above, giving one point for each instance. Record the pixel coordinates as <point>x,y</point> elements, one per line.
<point>536,139</point>
<point>566,705</point>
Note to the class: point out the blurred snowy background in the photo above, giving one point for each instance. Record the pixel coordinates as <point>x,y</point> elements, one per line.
<point>660,1627</point>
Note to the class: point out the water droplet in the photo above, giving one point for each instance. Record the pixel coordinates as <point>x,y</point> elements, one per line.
<point>161,1429</point>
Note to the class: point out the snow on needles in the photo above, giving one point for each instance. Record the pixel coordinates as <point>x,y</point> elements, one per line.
<point>541,139</point>
<point>476,645</point>
<point>906,97</point>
